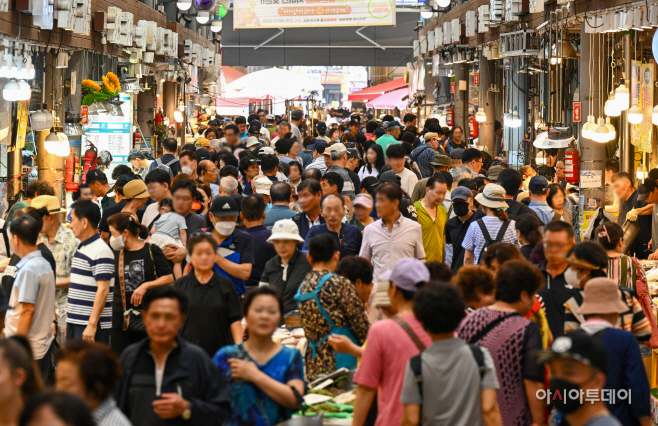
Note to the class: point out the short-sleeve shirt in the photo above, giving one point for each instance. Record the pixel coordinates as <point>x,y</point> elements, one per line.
<point>348,185</point>
<point>214,306</point>
<point>63,249</point>
<point>451,376</point>
<point>408,180</point>
<point>94,261</point>
<point>171,224</point>
<point>384,361</point>
<point>474,240</point>
<point>348,240</point>
<point>194,222</point>
<point>108,212</point>
<point>239,249</point>
<point>263,252</point>
<point>34,284</point>
<point>384,249</point>
<point>433,231</point>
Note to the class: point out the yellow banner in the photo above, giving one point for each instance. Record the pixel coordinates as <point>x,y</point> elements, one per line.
<point>642,79</point>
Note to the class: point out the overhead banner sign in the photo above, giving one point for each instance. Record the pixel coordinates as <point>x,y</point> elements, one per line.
<point>312,13</point>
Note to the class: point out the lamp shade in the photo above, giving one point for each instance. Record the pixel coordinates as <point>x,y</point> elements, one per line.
<point>41,120</point>
<point>589,128</point>
<point>612,132</point>
<point>426,12</point>
<point>11,91</point>
<point>202,16</point>
<point>623,97</point>
<point>178,116</point>
<point>443,3</point>
<point>611,108</point>
<point>184,4</point>
<point>480,117</point>
<point>601,134</point>
<point>216,26</point>
<point>635,114</point>
<point>25,91</point>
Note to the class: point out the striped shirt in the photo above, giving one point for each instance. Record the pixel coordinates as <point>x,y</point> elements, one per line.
<point>474,240</point>
<point>109,414</point>
<point>92,262</point>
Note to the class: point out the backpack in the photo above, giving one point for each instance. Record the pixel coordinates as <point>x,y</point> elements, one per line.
<point>166,167</point>
<point>487,238</point>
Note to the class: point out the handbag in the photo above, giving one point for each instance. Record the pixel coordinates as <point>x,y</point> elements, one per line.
<point>132,318</point>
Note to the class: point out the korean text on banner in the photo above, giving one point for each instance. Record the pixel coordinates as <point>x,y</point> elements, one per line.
<point>311,13</point>
<point>642,79</point>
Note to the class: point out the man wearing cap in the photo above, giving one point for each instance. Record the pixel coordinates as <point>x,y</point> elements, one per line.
<point>338,154</point>
<point>355,124</point>
<point>289,267</point>
<point>62,244</point>
<point>392,133</point>
<point>423,156</point>
<point>602,306</point>
<point>578,365</point>
<point>252,214</point>
<point>235,248</point>
<point>97,181</point>
<point>318,156</point>
<point>321,128</point>
<point>202,143</point>
<point>493,173</point>
<point>538,188</point>
<point>391,343</point>
<point>270,125</point>
<point>353,162</point>
<point>510,180</point>
<point>457,226</point>
<point>456,157</point>
<point>255,131</point>
<point>306,155</point>
<point>432,217</point>
<point>440,163</point>
<point>296,118</point>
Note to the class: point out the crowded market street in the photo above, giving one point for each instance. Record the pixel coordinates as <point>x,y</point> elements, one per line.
<point>303,213</point>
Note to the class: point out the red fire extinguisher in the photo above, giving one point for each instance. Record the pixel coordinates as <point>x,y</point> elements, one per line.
<point>72,172</point>
<point>89,161</point>
<point>450,117</point>
<point>159,118</point>
<point>572,164</point>
<point>137,140</point>
<point>474,126</point>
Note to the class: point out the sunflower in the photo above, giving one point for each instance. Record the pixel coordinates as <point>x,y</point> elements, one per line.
<point>115,80</point>
<point>90,86</point>
<point>108,85</point>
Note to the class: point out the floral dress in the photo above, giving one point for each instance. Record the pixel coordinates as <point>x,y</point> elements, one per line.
<point>251,406</point>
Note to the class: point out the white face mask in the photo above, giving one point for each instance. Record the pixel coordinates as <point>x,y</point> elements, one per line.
<point>187,170</point>
<point>571,277</point>
<point>225,228</point>
<point>117,243</point>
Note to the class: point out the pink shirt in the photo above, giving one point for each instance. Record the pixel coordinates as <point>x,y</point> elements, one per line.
<point>388,349</point>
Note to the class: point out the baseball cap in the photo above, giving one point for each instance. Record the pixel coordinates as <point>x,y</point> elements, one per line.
<point>431,135</point>
<point>51,203</point>
<point>457,153</point>
<point>270,117</point>
<point>254,126</point>
<point>645,188</point>
<point>379,132</point>
<point>297,114</point>
<point>390,176</point>
<point>261,185</point>
<point>202,142</point>
<point>538,185</point>
<point>213,122</point>
<point>580,347</point>
<point>136,188</point>
<point>461,193</point>
<point>202,154</point>
<point>320,145</point>
<point>392,125</point>
<point>321,125</point>
<point>352,153</point>
<point>94,175</point>
<point>266,150</point>
<point>285,229</point>
<point>494,172</point>
<point>224,206</point>
<point>252,141</point>
<point>408,273</point>
<point>363,200</point>
<point>441,160</point>
<point>337,147</point>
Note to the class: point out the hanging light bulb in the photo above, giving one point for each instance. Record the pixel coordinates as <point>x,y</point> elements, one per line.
<point>181,107</point>
<point>178,116</point>
<point>622,97</point>
<point>166,121</point>
<point>611,108</point>
<point>216,26</point>
<point>12,90</point>
<point>184,4</point>
<point>612,133</point>
<point>52,142</point>
<point>516,120</point>
<point>641,173</point>
<point>426,12</point>
<point>480,117</point>
<point>635,114</point>
<point>29,71</point>
<point>25,92</point>
<point>589,128</point>
<point>202,16</point>
<point>601,133</point>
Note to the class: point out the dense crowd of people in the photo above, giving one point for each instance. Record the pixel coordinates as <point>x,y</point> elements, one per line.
<point>456,287</point>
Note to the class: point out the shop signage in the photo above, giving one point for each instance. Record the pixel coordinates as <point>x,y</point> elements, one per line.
<point>311,13</point>
<point>577,112</point>
<point>452,87</point>
<point>476,78</point>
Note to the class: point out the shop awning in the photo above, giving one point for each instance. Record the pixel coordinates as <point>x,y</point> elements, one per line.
<point>391,100</point>
<point>376,91</point>
<point>231,74</point>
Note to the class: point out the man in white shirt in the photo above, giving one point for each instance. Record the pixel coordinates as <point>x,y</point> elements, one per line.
<point>395,157</point>
<point>158,182</point>
<point>296,118</point>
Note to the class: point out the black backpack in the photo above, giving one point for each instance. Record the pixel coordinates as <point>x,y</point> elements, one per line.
<point>487,238</point>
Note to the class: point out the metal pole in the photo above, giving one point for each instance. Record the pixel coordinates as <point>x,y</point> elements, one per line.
<point>627,157</point>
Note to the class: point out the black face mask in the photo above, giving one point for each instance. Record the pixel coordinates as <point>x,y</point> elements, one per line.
<point>560,398</point>
<point>461,209</point>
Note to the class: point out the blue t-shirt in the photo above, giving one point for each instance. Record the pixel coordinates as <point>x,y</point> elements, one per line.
<point>349,239</point>
<point>263,251</point>
<point>239,249</point>
<point>247,400</point>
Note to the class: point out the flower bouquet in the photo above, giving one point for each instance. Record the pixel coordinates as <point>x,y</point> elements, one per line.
<point>95,93</point>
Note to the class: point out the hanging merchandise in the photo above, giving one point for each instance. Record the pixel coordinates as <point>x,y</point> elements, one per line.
<point>601,133</point>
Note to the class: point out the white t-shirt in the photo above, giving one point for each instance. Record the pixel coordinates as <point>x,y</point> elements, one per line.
<point>409,180</point>
<point>150,213</point>
<point>364,173</point>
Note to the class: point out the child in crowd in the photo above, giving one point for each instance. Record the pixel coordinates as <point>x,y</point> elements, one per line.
<point>169,229</point>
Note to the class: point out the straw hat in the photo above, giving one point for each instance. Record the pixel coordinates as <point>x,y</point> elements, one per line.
<point>602,296</point>
<point>493,196</point>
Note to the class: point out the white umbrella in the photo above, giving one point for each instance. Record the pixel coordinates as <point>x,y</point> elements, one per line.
<point>272,83</point>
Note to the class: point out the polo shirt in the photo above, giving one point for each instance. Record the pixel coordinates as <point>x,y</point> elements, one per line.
<point>433,231</point>
<point>305,224</point>
<point>107,200</point>
<point>348,240</point>
<point>384,249</point>
<point>288,278</point>
<point>348,185</point>
<point>34,284</point>
<point>263,251</point>
<point>385,141</point>
<point>277,213</point>
<point>239,249</point>
<point>92,262</point>
<point>553,296</point>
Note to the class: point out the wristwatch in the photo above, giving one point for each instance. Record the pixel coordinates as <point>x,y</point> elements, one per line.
<point>187,413</point>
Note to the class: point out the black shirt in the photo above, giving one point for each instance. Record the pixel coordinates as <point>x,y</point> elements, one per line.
<point>194,222</point>
<point>641,243</point>
<point>139,266</point>
<point>174,167</point>
<point>553,296</point>
<point>108,212</point>
<point>454,233</point>
<point>298,267</point>
<point>263,251</point>
<point>213,307</point>
<point>355,180</point>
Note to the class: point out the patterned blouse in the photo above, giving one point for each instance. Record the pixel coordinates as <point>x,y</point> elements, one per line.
<point>63,248</point>
<point>622,270</point>
<point>340,299</point>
